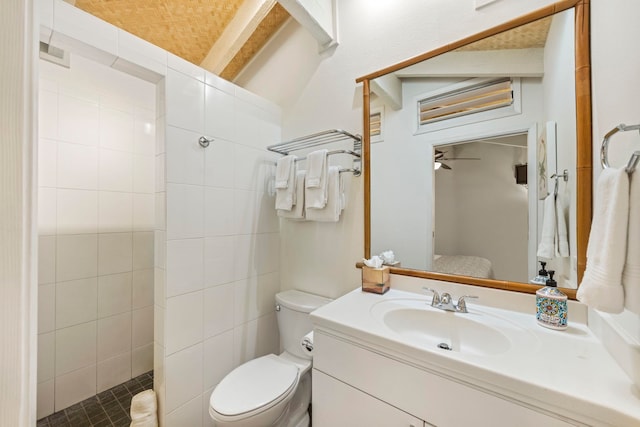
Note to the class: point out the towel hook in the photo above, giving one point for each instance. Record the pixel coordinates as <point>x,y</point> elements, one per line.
<point>604,155</point>
<point>564,175</point>
<point>204,141</point>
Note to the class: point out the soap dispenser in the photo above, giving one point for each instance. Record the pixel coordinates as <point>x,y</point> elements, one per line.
<point>542,277</point>
<point>551,304</point>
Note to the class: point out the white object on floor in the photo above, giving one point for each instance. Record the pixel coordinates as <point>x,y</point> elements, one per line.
<point>601,286</point>
<point>144,409</point>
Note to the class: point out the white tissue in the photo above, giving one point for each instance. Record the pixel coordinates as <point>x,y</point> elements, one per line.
<point>307,343</point>
<point>388,257</point>
<point>375,262</point>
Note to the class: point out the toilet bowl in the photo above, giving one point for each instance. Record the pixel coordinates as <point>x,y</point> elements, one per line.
<point>272,390</point>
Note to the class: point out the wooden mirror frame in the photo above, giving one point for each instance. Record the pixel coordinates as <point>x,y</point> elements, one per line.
<point>583,140</point>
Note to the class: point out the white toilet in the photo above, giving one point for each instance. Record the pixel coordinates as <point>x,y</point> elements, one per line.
<point>272,390</point>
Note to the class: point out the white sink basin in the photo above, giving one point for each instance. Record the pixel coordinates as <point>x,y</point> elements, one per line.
<point>420,325</point>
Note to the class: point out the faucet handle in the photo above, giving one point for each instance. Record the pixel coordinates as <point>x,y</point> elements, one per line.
<point>445,298</point>
<point>461,307</point>
<point>436,298</point>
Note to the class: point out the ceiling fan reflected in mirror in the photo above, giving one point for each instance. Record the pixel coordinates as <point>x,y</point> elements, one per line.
<point>439,156</point>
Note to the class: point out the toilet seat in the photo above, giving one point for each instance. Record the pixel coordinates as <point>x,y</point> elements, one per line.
<point>254,387</point>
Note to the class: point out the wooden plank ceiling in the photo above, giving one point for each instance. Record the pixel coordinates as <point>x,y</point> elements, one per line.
<point>187,28</point>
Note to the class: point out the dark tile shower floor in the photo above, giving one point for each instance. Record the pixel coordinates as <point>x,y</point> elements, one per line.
<point>109,408</point>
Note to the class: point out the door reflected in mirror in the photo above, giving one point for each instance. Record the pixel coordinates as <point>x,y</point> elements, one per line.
<point>454,135</point>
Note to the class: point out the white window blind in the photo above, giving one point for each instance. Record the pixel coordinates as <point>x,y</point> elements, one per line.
<point>471,99</point>
<point>375,124</point>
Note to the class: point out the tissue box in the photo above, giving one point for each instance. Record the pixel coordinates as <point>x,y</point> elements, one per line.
<point>375,280</point>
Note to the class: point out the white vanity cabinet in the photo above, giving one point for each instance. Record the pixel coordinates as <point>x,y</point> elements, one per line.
<point>338,404</point>
<point>358,386</point>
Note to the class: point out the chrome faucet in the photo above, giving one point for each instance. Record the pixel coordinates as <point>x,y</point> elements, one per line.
<point>444,301</point>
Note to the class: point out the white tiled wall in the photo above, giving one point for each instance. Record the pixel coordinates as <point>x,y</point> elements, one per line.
<point>216,239</point>
<point>221,271</point>
<point>96,220</point>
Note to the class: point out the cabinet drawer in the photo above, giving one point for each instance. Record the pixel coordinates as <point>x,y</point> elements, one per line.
<point>337,404</point>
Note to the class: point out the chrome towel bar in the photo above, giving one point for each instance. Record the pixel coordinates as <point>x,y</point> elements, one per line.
<point>324,138</point>
<point>604,156</point>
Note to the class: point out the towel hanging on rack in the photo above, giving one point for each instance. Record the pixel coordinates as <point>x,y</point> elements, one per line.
<point>554,242</point>
<point>631,272</point>
<point>297,211</point>
<point>316,180</point>
<point>285,171</point>
<point>612,277</point>
<point>285,183</point>
<point>333,208</point>
<point>601,286</point>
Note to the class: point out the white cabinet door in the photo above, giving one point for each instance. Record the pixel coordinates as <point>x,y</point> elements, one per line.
<point>336,404</point>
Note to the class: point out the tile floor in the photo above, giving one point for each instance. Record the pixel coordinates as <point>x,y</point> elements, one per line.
<point>109,408</point>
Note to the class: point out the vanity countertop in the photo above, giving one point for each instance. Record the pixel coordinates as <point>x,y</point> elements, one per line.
<point>565,372</point>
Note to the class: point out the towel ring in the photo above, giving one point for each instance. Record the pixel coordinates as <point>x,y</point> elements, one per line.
<point>604,156</point>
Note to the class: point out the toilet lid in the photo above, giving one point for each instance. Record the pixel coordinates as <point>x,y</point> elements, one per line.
<point>254,385</point>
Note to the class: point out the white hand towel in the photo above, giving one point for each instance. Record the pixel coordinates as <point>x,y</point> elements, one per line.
<point>316,181</point>
<point>631,272</point>
<point>285,196</point>
<point>284,172</point>
<point>601,286</point>
<point>546,248</point>
<point>297,211</point>
<point>561,240</point>
<point>343,196</point>
<point>317,168</point>
<point>331,212</point>
<point>553,241</point>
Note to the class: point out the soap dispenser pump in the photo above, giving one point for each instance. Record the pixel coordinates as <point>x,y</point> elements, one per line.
<point>551,304</point>
<point>541,278</point>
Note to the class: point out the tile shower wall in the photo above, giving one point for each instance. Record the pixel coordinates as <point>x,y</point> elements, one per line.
<point>217,241</point>
<point>96,221</point>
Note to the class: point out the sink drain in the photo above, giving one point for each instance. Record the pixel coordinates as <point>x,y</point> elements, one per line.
<point>444,346</point>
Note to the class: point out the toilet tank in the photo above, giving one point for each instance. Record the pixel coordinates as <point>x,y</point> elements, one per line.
<point>293,308</point>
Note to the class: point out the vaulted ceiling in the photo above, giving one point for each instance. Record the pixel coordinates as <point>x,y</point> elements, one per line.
<point>220,35</point>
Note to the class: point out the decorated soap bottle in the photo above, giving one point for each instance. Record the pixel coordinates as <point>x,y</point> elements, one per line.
<point>551,305</point>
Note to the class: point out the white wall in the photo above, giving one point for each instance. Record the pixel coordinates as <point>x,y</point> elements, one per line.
<point>319,92</point>
<point>18,234</point>
<point>218,243</point>
<point>615,71</point>
<point>491,210</point>
<point>96,217</point>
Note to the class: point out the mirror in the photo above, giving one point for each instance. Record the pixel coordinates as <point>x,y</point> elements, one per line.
<point>460,147</point>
